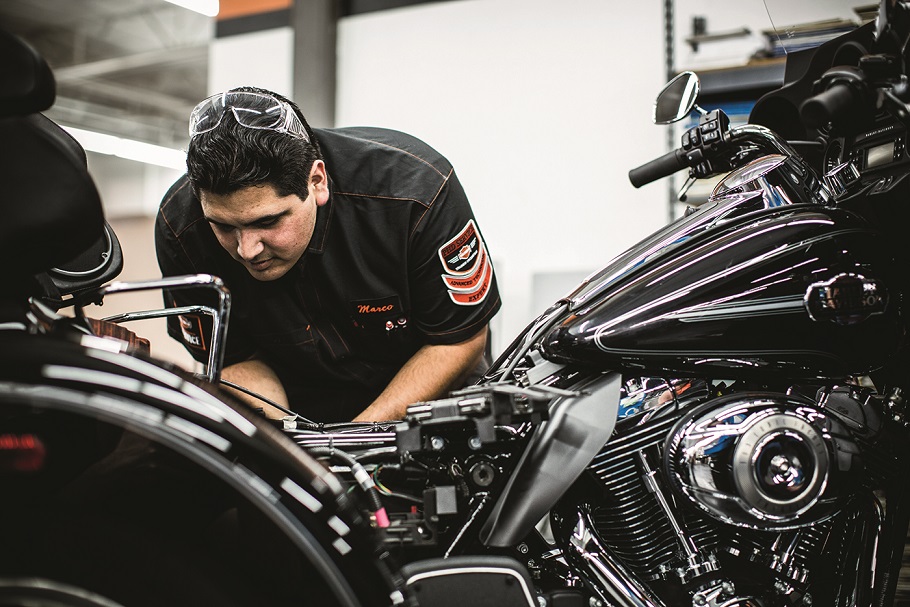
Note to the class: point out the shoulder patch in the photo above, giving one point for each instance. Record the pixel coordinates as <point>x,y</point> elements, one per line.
<point>468,270</point>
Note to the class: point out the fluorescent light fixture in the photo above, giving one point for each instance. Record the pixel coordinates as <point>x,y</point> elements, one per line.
<point>128,148</point>
<point>209,8</point>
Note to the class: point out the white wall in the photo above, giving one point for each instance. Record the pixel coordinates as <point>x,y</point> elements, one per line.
<point>129,188</point>
<point>264,59</point>
<point>542,108</point>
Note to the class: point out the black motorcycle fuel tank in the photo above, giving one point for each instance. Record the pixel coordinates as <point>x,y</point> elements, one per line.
<point>738,289</point>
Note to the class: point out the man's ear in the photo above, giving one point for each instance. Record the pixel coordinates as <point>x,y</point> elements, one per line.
<point>319,180</point>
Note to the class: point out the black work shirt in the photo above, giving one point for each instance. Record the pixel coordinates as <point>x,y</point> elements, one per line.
<point>396,261</point>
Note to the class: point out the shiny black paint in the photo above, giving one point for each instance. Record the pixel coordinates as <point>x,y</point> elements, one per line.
<point>727,300</point>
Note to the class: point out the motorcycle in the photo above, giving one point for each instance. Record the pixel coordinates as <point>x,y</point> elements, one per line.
<point>716,418</point>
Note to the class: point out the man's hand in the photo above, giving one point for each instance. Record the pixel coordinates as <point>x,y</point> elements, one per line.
<point>258,377</point>
<point>429,374</point>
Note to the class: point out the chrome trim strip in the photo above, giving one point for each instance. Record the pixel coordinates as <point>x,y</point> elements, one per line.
<point>491,570</point>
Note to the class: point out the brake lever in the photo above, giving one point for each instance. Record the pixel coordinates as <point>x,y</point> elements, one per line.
<point>682,195</point>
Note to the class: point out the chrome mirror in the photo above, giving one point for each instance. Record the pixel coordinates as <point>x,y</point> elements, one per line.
<point>676,99</point>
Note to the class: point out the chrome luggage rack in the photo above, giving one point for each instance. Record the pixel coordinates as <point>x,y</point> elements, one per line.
<point>220,315</point>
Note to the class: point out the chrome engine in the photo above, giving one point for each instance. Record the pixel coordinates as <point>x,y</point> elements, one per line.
<point>743,499</point>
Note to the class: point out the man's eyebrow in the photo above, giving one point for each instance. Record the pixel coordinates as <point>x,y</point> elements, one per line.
<point>253,222</point>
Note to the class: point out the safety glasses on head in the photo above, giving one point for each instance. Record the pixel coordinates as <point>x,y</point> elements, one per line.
<point>252,110</point>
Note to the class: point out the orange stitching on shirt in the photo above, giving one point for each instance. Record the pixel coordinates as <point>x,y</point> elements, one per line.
<point>409,154</point>
<point>327,343</point>
<point>190,226</point>
<point>172,196</point>
<point>186,254</point>
<point>177,236</point>
<point>442,185</point>
<point>420,202</point>
<point>429,206</point>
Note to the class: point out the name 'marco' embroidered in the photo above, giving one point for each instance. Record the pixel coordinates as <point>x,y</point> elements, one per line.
<point>364,310</point>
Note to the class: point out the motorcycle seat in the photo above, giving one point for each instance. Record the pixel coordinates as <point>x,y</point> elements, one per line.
<point>50,208</point>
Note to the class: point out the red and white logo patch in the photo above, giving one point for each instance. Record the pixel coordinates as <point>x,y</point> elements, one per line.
<point>469,272</point>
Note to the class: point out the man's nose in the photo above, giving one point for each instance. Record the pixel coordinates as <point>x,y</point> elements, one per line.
<point>249,245</point>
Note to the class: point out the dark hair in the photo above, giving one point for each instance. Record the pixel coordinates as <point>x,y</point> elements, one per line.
<point>231,156</point>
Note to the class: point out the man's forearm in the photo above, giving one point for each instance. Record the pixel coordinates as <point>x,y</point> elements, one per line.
<point>258,377</point>
<point>429,374</point>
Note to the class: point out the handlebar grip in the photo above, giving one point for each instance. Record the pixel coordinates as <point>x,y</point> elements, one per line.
<point>829,105</point>
<point>667,164</point>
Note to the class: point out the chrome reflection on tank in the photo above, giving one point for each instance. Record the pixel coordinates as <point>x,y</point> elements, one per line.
<point>780,174</point>
<point>766,462</point>
<point>745,178</point>
<point>781,180</point>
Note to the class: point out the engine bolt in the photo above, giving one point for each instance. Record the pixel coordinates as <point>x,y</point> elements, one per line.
<point>699,599</point>
<point>474,443</point>
<point>595,602</point>
<point>523,548</point>
<point>437,443</point>
<point>542,601</point>
<point>728,588</point>
<point>807,600</point>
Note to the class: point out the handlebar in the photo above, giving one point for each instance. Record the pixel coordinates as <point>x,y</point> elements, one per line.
<point>756,137</point>
<point>658,168</point>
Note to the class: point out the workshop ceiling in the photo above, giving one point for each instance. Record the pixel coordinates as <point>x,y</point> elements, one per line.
<point>132,68</point>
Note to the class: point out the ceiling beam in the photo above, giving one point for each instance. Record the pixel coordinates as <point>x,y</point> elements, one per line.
<point>152,59</point>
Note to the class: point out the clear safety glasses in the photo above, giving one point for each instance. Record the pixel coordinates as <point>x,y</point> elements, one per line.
<point>252,110</point>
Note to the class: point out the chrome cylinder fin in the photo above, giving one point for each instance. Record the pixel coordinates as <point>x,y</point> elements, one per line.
<point>860,533</point>
<point>631,521</point>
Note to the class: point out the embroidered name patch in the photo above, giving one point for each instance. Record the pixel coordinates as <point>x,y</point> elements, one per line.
<point>191,330</point>
<point>376,312</point>
<point>468,271</point>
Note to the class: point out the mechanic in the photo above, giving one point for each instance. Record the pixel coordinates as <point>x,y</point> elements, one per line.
<point>360,280</point>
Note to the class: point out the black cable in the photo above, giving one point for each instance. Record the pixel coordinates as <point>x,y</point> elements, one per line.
<point>360,474</point>
<point>268,401</point>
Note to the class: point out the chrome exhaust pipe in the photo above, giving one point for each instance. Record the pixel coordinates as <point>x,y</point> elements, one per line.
<point>601,571</point>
